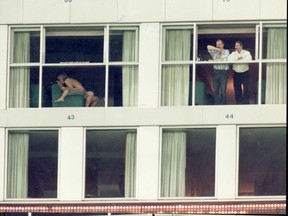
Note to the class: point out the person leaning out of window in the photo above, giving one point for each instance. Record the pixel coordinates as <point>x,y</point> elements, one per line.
<point>240,73</point>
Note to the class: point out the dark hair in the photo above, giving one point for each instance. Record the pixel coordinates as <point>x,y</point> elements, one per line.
<point>239,42</point>
<point>220,40</point>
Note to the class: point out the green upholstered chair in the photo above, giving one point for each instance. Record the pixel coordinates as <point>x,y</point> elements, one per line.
<point>200,93</point>
<point>34,95</point>
<point>73,99</point>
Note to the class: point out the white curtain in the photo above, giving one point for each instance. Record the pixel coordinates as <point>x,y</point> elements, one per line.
<point>20,76</point>
<point>17,178</point>
<point>130,164</point>
<point>175,79</point>
<point>276,74</point>
<point>173,164</point>
<point>129,73</point>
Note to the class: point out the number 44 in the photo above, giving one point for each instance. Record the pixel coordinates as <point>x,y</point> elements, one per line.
<point>229,116</point>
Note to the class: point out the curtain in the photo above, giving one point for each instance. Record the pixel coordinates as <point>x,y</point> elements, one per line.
<point>20,76</point>
<point>17,178</point>
<point>130,164</point>
<point>173,164</point>
<point>175,79</point>
<point>129,73</point>
<point>276,74</point>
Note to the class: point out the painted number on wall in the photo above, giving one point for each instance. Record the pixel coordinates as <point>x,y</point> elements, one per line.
<point>229,116</point>
<point>71,117</point>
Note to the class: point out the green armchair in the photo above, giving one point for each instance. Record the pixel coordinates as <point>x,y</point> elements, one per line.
<point>73,99</point>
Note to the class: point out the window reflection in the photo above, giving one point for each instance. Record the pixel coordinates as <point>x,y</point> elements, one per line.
<point>262,161</point>
<point>32,164</point>
<point>188,162</point>
<point>110,163</point>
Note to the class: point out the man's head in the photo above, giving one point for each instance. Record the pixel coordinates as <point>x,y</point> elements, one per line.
<point>238,46</point>
<point>220,44</point>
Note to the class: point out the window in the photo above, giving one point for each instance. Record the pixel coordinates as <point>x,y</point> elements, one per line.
<point>262,161</point>
<point>188,71</point>
<point>274,76</point>
<point>110,163</point>
<point>188,162</point>
<point>80,52</point>
<point>32,164</point>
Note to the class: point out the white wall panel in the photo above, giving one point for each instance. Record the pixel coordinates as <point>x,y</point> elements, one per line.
<point>148,64</point>
<point>52,11</point>
<point>236,9</point>
<point>226,162</point>
<point>147,163</point>
<point>11,11</point>
<point>71,163</point>
<point>188,10</point>
<point>136,11</point>
<point>276,9</point>
<point>2,162</point>
<point>93,11</point>
<point>3,64</point>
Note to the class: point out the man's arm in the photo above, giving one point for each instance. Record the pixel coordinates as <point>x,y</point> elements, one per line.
<point>210,47</point>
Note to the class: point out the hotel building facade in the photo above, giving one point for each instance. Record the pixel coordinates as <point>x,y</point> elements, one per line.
<point>156,142</point>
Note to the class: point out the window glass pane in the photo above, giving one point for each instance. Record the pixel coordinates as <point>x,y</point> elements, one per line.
<point>178,45</point>
<point>24,87</point>
<point>110,163</point>
<point>188,162</point>
<point>274,43</point>
<point>123,86</point>
<point>175,85</point>
<point>74,45</point>
<point>262,161</point>
<point>26,46</point>
<point>222,85</point>
<point>274,83</point>
<point>122,45</point>
<point>209,34</point>
<point>92,79</point>
<point>32,164</point>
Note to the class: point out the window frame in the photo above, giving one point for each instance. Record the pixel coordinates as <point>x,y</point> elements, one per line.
<point>160,197</point>
<point>42,64</point>
<point>28,129</point>
<point>238,162</point>
<point>134,129</point>
<point>257,25</point>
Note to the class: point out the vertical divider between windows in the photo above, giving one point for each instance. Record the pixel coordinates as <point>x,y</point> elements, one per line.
<point>106,62</point>
<point>42,60</point>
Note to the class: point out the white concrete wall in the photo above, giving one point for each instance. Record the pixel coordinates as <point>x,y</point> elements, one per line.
<point>149,69</point>
<point>71,159</point>
<point>2,163</point>
<point>147,180</point>
<point>120,116</point>
<point>226,156</point>
<point>3,64</point>
<point>123,11</point>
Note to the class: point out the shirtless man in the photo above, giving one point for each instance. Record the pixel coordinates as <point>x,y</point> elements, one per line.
<point>67,85</point>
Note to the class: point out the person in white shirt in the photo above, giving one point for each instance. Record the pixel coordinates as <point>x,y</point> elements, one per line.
<point>240,73</point>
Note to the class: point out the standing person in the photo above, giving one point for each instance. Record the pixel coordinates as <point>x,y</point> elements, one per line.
<point>67,84</point>
<point>240,73</point>
<point>220,73</point>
